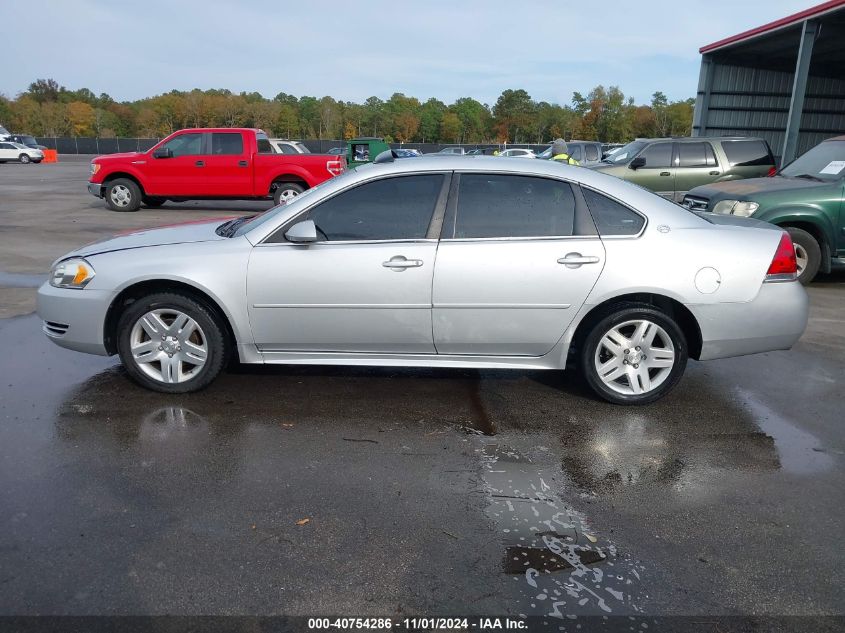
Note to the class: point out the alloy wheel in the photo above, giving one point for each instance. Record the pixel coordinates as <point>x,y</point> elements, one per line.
<point>120,195</point>
<point>168,345</point>
<point>801,257</point>
<point>634,357</point>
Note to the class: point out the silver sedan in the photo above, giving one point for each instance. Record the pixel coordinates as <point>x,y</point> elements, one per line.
<point>455,262</point>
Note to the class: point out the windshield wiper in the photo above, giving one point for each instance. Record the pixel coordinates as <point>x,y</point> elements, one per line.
<point>809,177</point>
<point>227,229</point>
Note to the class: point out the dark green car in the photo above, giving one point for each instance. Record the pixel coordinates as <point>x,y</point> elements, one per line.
<point>672,166</point>
<point>805,197</point>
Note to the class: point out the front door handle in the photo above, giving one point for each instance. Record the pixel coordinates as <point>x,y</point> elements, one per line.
<point>714,173</point>
<point>398,263</point>
<point>200,163</point>
<point>665,173</point>
<point>576,260</point>
<point>242,163</point>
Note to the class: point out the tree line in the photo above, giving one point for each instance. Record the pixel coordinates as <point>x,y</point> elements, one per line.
<point>604,114</point>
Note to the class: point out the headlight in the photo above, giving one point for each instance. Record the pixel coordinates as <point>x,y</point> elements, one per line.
<point>744,209</point>
<point>724,207</point>
<point>71,273</point>
<point>95,167</point>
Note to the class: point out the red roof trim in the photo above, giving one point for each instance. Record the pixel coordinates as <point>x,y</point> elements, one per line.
<point>777,24</point>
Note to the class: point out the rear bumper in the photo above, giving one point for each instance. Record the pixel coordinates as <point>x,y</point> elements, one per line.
<point>775,319</point>
<point>95,189</point>
<point>74,318</point>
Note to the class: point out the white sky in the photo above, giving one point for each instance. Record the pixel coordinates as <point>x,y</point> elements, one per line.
<point>354,49</point>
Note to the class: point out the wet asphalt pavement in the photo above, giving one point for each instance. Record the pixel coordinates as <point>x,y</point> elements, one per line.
<point>390,492</point>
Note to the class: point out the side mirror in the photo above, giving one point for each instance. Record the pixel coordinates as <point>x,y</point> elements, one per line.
<point>163,152</point>
<point>638,162</point>
<point>302,232</point>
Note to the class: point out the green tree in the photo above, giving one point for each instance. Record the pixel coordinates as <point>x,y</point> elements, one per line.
<point>431,116</point>
<point>512,115</point>
<point>450,128</point>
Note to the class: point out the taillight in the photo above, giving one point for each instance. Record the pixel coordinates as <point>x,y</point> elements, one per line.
<point>334,167</point>
<point>772,172</point>
<point>783,266</point>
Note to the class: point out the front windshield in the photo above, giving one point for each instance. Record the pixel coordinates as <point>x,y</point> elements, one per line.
<point>261,218</point>
<point>28,140</point>
<point>626,153</point>
<point>826,161</point>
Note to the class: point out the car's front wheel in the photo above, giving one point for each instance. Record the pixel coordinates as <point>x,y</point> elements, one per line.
<point>171,343</point>
<point>808,254</point>
<point>634,355</point>
<point>24,158</point>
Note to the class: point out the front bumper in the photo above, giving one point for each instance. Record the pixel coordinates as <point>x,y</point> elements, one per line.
<point>95,189</point>
<point>74,319</point>
<point>775,319</point>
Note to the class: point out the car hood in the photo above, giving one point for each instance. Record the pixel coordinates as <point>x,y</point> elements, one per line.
<point>750,188</point>
<point>194,231</point>
<point>105,158</point>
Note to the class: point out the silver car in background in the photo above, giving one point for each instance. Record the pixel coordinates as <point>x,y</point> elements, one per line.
<point>438,262</point>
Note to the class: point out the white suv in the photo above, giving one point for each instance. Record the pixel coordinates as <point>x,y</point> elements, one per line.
<point>19,153</point>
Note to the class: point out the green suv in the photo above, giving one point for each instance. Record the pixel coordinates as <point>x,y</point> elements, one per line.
<point>672,166</point>
<point>805,197</point>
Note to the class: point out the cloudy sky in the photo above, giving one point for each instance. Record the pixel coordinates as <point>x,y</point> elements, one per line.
<point>354,49</point>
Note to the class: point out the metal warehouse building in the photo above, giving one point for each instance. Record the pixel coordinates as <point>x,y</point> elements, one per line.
<point>784,81</point>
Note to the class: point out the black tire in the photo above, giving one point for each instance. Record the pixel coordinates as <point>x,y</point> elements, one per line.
<point>811,248</point>
<point>285,189</point>
<point>122,186</point>
<point>622,314</point>
<point>24,159</point>
<point>152,202</point>
<point>212,334</point>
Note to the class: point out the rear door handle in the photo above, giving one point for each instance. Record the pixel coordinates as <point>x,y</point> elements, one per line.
<point>576,260</point>
<point>200,163</point>
<point>242,163</point>
<point>714,173</point>
<point>398,263</point>
<point>665,173</point>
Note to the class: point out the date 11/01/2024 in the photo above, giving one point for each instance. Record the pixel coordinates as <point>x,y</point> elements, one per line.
<point>418,624</point>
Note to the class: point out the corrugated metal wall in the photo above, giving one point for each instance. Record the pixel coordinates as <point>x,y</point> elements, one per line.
<point>755,102</point>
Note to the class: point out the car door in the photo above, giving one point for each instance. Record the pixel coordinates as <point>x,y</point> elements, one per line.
<point>182,173</point>
<point>658,172</point>
<point>228,166</point>
<point>696,165</point>
<point>517,258</point>
<point>365,285</point>
<point>8,152</point>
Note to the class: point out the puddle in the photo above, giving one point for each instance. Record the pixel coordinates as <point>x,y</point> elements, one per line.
<point>21,280</point>
<point>559,564</point>
<point>800,452</point>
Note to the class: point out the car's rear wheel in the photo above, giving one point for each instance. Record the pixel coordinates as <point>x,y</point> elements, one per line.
<point>286,191</point>
<point>808,254</point>
<point>153,202</point>
<point>123,194</point>
<point>634,355</point>
<point>24,158</point>
<point>171,343</point>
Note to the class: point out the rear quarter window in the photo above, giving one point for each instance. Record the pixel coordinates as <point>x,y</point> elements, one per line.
<point>612,217</point>
<point>747,153</point>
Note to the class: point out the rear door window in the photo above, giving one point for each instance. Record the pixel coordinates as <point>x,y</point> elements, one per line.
<point>496,205</point>
<point>747,153</point>
<point>696,155</point>
<point>227,143</point>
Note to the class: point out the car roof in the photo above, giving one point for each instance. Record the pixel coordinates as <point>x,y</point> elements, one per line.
<point>694,139</point>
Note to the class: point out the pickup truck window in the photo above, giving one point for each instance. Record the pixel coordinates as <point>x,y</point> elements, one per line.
<point>591,152</point>
<point>227,143</point>
<point>185,145</point>
<point>263,144</point>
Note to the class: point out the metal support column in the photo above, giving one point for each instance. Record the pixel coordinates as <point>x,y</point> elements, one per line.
<point>702,97</point>
<point>799,88</point>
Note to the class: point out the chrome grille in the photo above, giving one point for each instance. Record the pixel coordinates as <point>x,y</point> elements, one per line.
<point>696,203</point>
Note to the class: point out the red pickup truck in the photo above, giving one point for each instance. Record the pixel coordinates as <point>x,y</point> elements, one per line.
<point>208,164</point>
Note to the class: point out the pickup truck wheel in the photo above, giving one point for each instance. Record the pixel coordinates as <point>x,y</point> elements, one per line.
<point>24,158</point>
<point>808,254</point>
<point>286,191</point>
<point>123,194</point>
<point>153,202</point>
